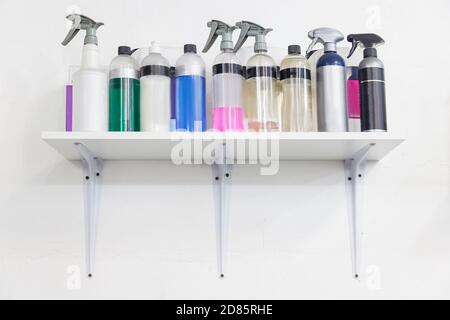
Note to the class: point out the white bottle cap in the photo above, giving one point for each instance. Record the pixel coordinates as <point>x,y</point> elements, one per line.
<point>155,48</point>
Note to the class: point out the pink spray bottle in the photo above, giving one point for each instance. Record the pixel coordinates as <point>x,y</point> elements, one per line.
<point>228,80</point>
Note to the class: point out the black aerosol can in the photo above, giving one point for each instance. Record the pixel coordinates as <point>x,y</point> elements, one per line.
<point>372,84</point>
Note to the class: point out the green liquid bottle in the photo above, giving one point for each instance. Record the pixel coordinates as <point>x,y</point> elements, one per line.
<point>124,93</point>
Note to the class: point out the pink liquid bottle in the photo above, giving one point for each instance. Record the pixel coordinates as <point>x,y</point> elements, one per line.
<point>228,81</point>
<point>353,96</point>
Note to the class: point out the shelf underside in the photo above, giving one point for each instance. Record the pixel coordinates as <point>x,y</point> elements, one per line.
<point>289,146</point>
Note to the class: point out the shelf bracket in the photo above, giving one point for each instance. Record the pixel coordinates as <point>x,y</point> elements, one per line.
<point>222,182</point>
<point>93,169</point>
<point>354,177</point>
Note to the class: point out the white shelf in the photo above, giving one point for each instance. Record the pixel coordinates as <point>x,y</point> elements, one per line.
<point>154,146</point>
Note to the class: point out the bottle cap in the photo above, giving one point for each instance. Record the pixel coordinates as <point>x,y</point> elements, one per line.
<point>190,48</point>
<point>294,49</point>
<point>155,48</point>
<point>124,50</point>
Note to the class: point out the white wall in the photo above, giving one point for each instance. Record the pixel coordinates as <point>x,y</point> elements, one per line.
<point>289,234</point>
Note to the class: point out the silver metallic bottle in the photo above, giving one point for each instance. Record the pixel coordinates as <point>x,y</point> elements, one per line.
<point>331,83</point>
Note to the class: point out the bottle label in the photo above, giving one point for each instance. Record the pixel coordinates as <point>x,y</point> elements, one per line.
<point>371,74</point>
<point>301,73</point>
<point>155,71</point>
<point>228,68</point>
<point>262,72</point>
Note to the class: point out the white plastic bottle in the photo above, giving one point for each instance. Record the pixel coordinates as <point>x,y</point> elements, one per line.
<point>90,83</point>
<point>155,92</point>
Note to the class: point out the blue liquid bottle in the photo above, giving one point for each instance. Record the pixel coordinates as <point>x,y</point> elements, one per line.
<point>190,91</point>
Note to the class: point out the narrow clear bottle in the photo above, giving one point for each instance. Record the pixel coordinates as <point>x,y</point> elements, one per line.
<point>295,75</point>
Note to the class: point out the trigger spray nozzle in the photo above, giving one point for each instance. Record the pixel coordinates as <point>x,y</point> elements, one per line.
<point>368,41</point>
<point>81,22</point>
<point>250,29</point>
<point>219,28</point>
<point>326,36</point>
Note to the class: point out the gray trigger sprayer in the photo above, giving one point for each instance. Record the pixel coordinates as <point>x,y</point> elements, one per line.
<point>371,81</point>
<point>331,81</point>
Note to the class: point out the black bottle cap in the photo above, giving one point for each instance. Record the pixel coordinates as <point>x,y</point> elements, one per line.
<point>370,52</point>
<point>190,48</point>
<point>294,49</point>
<point>124,50</point>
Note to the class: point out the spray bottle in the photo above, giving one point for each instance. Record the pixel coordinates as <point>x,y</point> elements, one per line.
<point>90,83</point>
<point>124,88</point>
<point>371,81</point>
<point>260,88</point>
<point>155,92</point>
<point>295,76</point>
<point>228,81</point>
<point>331,82</point>
<point>191,91</point>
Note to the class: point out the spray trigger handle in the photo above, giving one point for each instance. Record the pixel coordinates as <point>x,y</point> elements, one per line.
<point>365,40</point>
<point>250,29</point>
<point>81,22</point>
<point>219,28</point>
<point>327,36</point>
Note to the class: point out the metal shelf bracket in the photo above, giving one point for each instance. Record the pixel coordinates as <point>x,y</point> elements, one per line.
<point>93,170</point>
<point>354,178</point>
<point>222,183</point>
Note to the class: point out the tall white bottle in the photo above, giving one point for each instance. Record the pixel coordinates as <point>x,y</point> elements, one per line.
<point>155,92</point>
<point>90,83</point>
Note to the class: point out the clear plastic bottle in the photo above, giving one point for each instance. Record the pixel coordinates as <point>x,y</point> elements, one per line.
<point>155,92</point>
<point>260,94</point>
<point>228,82</point>
<point>191,91</point>
<point>124,93</point>
<point>295,75</point>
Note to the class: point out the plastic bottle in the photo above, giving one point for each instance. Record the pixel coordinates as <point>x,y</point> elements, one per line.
<point>124,93</point>
<point>90,83</point>
<point>228,110</point>
<point>191,91</point>
<point>173,99</point>
<point>353,98</point>
<point>372,83</point>
<point>295,76</point>
<point>260,88</point>
<point>155,92</point>
<point>331,82</point>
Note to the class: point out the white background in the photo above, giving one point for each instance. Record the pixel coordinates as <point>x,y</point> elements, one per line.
<point>289,233</point>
